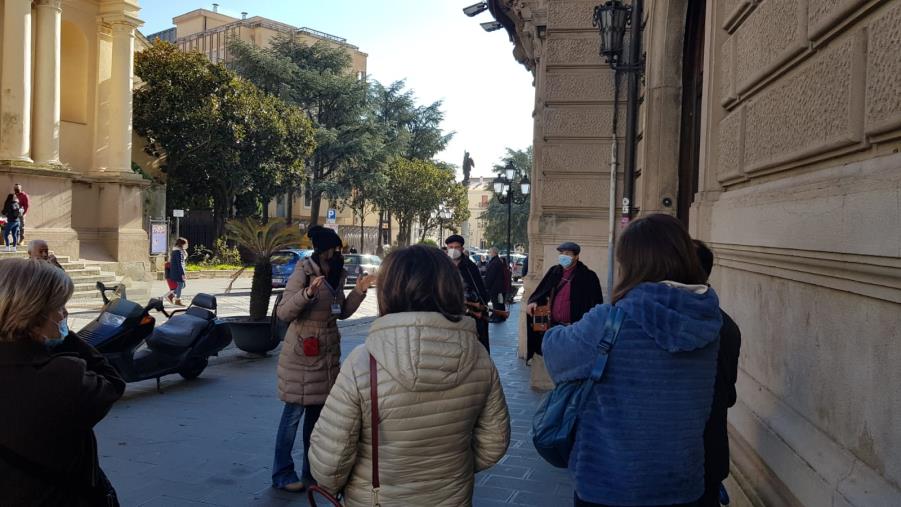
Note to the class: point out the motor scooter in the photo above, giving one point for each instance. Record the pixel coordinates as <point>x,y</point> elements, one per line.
<point>127,335</point>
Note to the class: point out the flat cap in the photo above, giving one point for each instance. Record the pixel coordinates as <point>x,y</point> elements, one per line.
<point>570,246</point>
<point>456,238</point>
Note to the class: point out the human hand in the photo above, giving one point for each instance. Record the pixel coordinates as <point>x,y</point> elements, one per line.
<point>365,282</point>
<point>314,286</point>
<point>530,310</point>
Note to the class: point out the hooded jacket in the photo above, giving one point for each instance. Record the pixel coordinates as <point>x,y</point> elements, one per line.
<point>640,439</point>
<point>442,415</point>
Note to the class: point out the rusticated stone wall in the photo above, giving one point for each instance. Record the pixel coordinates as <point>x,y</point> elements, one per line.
<point>801,199</point>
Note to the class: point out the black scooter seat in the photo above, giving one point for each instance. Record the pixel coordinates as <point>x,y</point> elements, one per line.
<point>177,334</point>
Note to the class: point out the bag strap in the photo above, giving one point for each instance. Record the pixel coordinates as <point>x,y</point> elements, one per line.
<point>374,400</point>
<point>611,331</point>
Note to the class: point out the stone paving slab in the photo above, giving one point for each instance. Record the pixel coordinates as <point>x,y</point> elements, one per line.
<point>209,442</point>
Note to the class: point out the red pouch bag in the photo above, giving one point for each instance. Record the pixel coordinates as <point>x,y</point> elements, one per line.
<point>311,346</point>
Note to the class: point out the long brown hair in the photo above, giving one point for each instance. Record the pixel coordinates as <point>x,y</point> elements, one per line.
<point>420,279</point>
<point>653,249</point>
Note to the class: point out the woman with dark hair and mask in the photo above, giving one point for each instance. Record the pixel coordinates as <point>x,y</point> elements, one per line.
<point>308,365</point>
<point>640,437</point>
<point>441,412</point>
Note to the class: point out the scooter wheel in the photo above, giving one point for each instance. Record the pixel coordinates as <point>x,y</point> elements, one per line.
<point>193,369</point>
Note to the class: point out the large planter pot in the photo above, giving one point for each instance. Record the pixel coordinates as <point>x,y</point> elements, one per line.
<point>256,337</point>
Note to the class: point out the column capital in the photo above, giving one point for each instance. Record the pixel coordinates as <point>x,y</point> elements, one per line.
<point>51,4</point>
<point>121,21</point>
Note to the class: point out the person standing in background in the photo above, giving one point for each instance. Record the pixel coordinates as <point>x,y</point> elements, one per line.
<point>23,202</point>
<point>12,210</point>
<point>494,282</point>
<point>178,268</point>
<point>475,295</point>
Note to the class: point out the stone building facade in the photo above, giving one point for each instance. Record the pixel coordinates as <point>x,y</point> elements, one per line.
<point>773,129</point>
<point>65,135</point>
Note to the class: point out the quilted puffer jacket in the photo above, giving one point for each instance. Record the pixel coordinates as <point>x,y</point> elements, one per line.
<point>442,415</point>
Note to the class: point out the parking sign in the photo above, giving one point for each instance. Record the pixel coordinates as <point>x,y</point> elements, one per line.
<point>332,216</point>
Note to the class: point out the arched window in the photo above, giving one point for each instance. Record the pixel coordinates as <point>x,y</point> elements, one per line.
<point>73,74</point>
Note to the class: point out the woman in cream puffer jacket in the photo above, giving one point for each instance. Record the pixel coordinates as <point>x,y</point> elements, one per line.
<point>442,412</point>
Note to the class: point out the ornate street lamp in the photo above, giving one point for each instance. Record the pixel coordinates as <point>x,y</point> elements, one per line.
<point>508,191</point>
<point>611,19</point>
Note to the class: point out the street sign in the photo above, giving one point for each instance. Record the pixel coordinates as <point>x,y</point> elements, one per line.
<point>332,216</point>
<point>178,213</point>
<point>159,237</point>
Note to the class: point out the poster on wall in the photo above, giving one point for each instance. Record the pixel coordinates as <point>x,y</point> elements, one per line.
<point>159,237</point>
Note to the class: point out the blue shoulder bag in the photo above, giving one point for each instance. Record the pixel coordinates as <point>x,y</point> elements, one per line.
<point>554,424</point>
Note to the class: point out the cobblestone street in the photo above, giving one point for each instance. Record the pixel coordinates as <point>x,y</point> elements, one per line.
<point>210,441</point>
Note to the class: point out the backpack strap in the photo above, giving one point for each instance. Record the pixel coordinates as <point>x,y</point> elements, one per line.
<point>611,331</point>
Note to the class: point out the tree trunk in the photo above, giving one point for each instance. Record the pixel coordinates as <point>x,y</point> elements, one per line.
<point>290,208</point>
<point>260,289</point>
<point>389,226</point>
<point>314,208</point>
<point>362,225</point>
<point>266,209</point>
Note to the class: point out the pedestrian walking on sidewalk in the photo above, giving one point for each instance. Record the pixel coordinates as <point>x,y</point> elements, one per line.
<point>54,388</point>
<point>309,362</point>
<point>496,285</point>
<point>640,436</point>
<point>178,270</point>
<point>12,210</point>
<point>475,295</point>
<point>716,437</point>
<point>441,411</point>
<point>568,290</point>
<point>24,202</point>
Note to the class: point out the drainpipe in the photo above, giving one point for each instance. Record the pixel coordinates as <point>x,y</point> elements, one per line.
<point>632,111</point>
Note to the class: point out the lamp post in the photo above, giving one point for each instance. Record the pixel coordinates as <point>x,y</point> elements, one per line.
<point>611,19</point>
<point>442,214</point>
<point>506,192</point>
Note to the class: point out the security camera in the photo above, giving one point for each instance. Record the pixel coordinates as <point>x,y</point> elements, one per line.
<point>475,9</point>
<point>491,26</point>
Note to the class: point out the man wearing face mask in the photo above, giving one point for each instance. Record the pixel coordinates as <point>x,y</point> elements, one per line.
<point>474,291</point>
<point>569,288</point>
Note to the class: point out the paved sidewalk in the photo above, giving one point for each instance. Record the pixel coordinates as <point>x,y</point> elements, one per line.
<point>210,441</point>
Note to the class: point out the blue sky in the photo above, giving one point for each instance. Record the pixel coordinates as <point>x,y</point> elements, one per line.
<point>488,96</point>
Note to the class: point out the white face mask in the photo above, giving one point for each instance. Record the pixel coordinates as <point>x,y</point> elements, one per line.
<point>454,253</point>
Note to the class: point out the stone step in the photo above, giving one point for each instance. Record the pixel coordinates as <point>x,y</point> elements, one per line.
<point>73,266</point>
<point>91,277</point>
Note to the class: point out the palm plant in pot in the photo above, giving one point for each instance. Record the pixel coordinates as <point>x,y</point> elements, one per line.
<point>256,333</point>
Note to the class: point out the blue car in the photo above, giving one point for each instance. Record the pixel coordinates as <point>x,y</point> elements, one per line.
<point>283,264</point>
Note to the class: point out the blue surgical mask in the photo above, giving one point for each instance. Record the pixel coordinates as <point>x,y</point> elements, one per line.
<point>566,261</point>
<point>63,332</point>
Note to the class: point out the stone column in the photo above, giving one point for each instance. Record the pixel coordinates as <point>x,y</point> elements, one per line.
<point>120,96</point>
<point>15,85</point>
<point>46,82</point>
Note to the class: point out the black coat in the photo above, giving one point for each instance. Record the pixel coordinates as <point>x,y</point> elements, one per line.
<point>716,438</point>
<point>494,277</point>
<point>475,288</point>
<point>585,294</point>
<point>51,401</point>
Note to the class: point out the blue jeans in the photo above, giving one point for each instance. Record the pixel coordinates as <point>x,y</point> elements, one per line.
<point>178,287</point>
<point>283,472</point>
<point>11,228</point>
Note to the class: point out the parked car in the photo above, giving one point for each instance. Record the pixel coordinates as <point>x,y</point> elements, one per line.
<point>283,264</point>
<point>360,263</point>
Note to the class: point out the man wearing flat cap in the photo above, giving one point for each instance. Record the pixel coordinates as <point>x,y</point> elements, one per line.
<point>474,291</point>
<point>569,289</point>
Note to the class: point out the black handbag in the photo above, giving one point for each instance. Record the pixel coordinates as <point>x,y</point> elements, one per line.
<point>555,422</point>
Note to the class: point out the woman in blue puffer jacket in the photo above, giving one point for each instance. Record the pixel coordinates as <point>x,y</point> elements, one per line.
<point>640,440</point>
